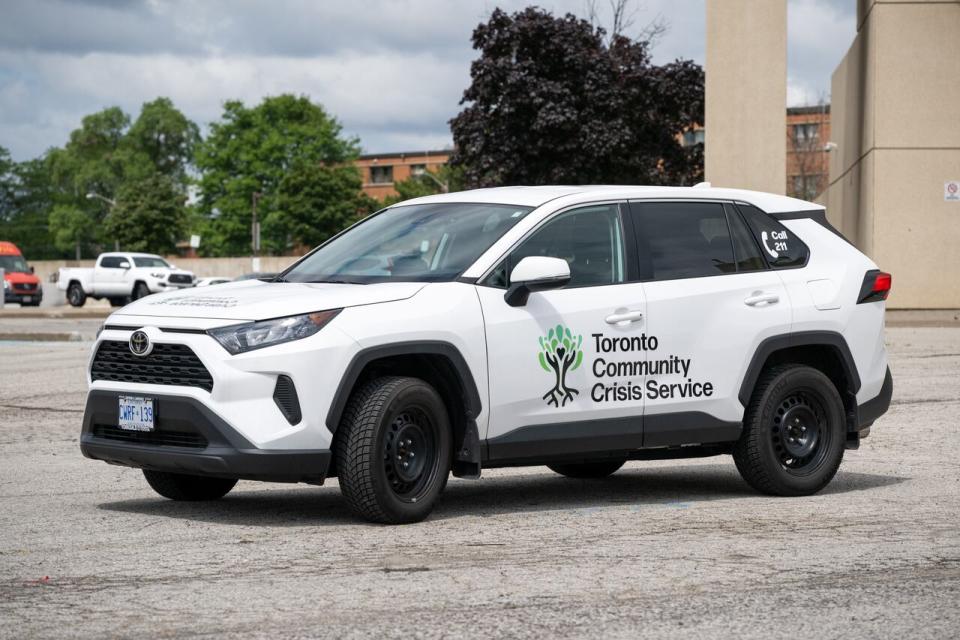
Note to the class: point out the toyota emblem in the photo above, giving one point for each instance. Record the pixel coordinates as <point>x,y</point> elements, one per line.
<point>140,344</point>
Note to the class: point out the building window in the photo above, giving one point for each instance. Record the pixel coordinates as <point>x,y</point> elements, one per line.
<point>381,174</point>
<point>806,187</point>
<point>691,138</point>
<point>418,169</point>
<point>806,132</point>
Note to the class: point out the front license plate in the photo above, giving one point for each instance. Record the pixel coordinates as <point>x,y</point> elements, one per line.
<point>136,413</point>
<point>27,299</point>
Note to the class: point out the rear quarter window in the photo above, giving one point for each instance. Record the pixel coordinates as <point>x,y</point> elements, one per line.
<point>781,247</point>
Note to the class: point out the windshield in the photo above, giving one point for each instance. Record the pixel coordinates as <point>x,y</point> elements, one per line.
<point>151,262</point>
<point>413,243</point>
<point>13,263</point>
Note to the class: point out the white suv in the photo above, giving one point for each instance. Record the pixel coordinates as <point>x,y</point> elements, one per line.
<point>576,327</point>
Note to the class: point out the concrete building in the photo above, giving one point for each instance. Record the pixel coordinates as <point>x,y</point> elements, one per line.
<point>381,170</point>
<point>746,92</point>
<point>896,123</point>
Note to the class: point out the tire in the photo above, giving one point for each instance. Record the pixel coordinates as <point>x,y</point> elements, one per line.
<point>794,432</point>
<point>588,470</point>
<point>118,302</point>
<point>75,295</point>
<point>181,487</point>
<point>140,290</point>
<point>388,422</point>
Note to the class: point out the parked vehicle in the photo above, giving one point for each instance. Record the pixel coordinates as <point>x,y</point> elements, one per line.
<point>121,277</point>
<point>573,327</point>
<point>212,280</point>
<point>20,285</point>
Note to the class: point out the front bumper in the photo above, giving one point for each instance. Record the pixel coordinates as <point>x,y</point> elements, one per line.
<point>23,297</point>
<point>189,438</point>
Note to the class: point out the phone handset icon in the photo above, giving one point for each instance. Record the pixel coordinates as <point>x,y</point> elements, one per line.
<point>764,236</point>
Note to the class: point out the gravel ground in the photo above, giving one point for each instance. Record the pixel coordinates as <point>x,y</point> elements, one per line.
<point>664,549</point>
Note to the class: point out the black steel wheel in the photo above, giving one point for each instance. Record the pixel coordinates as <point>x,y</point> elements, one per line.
<point>587,470</point>
<point>393,450</point>
<point>793,432</point>
<point>75,295</point>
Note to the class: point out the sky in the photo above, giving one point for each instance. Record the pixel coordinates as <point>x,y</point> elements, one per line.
<point>392,71</point>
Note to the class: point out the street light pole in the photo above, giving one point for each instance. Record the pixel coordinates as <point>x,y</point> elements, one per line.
<point>255,225</point>
<point>444,187</point>
<point>90,196</point>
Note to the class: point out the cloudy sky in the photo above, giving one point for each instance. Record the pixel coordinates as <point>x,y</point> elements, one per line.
<point>392,71</point>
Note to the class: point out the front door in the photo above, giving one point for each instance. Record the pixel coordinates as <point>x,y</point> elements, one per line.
<point>567,368</point>
<point>711,299</point>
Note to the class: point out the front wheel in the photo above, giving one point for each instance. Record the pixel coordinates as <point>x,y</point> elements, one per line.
<point>75,295</point>
<point>118,302</point>
<point>793,433</point>
<point>588,470</point>
<point>140,290</point>
<point>182,487</point>
<point>393,450</point>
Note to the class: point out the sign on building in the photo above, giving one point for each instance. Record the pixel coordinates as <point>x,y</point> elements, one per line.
<point>951,191</point>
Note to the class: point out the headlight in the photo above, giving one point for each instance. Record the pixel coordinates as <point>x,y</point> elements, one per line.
<point>6,285</point>
<point>240,338</point>
<point>158,275</point>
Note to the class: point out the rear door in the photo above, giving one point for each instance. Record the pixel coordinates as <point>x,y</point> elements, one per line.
<point>566,369</point>
<point>108,276</point>
<point>711,299</point>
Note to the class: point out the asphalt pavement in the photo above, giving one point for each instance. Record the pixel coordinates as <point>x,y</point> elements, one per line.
<point>659,550</point>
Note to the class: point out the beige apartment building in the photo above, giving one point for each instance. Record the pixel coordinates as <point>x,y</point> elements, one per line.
<point>896,125</point>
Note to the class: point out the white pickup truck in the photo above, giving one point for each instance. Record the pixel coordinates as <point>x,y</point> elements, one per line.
<point>121,277</point>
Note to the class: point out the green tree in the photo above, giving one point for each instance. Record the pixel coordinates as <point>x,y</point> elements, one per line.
<point>149,215</point>
<point>560,352</point>
<point>7,186</point>
<point>162,138</point>
<point>315,202</point>
<point>71,227</point>
<point>28,223</point>
<point>553,101</point>
<point>252,150</point>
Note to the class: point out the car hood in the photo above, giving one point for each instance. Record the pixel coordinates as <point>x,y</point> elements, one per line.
<point>256,300</point>
<point>20,277</point>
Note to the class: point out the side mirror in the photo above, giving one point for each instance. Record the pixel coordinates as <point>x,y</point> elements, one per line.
<point>535,273</point>
<point>124,265</point>
<point>32,270</point>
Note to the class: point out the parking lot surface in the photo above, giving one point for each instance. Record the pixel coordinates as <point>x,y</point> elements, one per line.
<point>661,549</point>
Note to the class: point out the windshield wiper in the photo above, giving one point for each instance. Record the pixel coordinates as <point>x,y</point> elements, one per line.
<point>335,282</point>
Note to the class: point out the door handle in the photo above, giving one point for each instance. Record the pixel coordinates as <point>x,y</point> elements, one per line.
<point>624,318</point>
<point>758,298</point>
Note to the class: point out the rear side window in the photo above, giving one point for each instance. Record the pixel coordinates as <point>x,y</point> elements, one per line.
<point>782,247</point>
<point>682,240</point>
<point>745,248</point>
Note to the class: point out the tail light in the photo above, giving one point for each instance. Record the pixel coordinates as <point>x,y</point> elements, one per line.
<point>876,286</point>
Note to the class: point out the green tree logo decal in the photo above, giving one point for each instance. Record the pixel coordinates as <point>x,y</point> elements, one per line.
<point>560,353</point>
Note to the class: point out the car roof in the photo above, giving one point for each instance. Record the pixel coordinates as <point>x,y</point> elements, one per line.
<point>538,196</point>
<point>132,254</point>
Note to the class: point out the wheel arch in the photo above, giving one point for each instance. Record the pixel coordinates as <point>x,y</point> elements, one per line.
<point>826,351</point>
<point>441,365</point>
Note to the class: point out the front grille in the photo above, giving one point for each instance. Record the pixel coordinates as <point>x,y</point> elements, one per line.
<point>26,286</point>
<point>179,278</point>
<point>165,438</point>
<point>170,364</point>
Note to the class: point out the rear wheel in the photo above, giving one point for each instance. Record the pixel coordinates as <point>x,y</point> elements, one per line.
<point>793,433</point>
<point>75,295</point>
<point>182,487</point>
<point>393,450</point>
<point>588,470</point>
<point>140,290</point>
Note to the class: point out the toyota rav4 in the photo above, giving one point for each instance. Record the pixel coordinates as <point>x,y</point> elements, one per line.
<point>573,327</point>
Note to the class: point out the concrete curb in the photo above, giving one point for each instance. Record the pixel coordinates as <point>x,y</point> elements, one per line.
<point>39,336</point>
<point>57,312</point>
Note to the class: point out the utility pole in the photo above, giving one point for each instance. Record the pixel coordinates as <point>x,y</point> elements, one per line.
<point>255,225</point>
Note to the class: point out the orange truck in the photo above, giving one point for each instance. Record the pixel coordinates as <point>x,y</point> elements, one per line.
<point>19,282</point>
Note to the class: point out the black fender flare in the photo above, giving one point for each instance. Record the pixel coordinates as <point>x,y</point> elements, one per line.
<point>364,357</point>
<point>773,344</point>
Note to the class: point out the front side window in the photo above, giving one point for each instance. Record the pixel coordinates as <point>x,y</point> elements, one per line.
<point>111,262</point>
<point>151,262</point>
<point>409,243</point>
<point>590,239</point>
<point>682,240</point>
